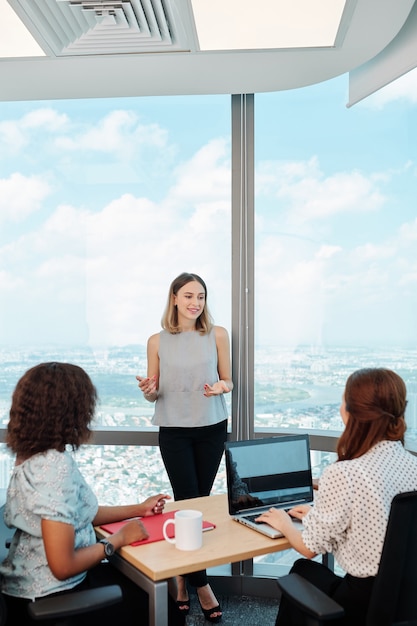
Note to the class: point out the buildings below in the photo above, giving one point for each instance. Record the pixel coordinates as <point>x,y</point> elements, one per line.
<point>294,388</point>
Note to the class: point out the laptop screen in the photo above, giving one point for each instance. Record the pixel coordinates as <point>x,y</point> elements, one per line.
<point>274,471</point>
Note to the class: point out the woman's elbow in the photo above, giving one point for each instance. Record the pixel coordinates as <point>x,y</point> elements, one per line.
<point>305,552</point>
<point>61,570</point>
<point>60,573</point>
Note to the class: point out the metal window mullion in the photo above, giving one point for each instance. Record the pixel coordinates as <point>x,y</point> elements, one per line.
<point>243,265</point>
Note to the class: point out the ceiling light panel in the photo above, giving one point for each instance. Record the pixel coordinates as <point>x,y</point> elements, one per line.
<point>266,24</point>
<point>93,27</point>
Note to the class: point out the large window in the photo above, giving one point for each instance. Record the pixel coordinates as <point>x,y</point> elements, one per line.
<point>335,262</point>
<point>102,204</point>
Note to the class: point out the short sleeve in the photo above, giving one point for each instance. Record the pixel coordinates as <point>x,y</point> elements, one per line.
<point>49,486</point>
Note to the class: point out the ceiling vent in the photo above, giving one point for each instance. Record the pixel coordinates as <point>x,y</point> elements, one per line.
<point>95,27</point>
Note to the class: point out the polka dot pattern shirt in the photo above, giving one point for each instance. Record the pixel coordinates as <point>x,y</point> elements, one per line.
<point>352,505</point>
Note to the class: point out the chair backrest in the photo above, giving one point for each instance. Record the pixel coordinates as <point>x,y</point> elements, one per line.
<point>394,596</point>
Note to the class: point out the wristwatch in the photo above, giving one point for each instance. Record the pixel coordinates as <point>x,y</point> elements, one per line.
<point>108,547</point>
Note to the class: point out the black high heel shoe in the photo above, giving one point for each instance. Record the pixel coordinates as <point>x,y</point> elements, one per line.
<point>183,606</point>
<point>208,613</point>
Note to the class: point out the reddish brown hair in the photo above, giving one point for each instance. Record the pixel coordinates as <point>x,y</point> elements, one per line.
<point>375,399</point>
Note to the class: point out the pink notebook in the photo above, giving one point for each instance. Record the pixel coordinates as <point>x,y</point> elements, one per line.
<point>153,525</point>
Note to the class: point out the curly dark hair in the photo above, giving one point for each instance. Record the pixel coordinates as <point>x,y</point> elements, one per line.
<point>375,399</point>
<point>53,405</point>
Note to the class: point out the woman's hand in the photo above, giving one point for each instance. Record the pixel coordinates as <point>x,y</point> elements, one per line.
<point>277,518</point>
<point>299,511</point>
<point>280,520</point>
<point>154,505</point>
<point>216,390</point>
<point>129,533</point>
<point>147,385</point>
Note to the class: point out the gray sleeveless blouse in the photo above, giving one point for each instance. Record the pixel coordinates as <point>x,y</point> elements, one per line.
<point>187,361</point>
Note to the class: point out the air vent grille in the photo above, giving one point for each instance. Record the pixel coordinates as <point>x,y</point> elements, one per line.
<point>92,27</point>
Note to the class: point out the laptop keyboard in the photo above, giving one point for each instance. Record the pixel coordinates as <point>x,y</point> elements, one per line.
<point>252,518</point>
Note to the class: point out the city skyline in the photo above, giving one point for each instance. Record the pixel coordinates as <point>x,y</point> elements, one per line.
<point>293,390</point>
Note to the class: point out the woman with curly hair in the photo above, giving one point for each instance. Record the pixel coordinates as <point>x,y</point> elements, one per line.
<point>53,510</point>
<point>350,514</point>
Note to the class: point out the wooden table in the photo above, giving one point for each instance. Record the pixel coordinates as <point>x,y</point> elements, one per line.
<point>152,565</point>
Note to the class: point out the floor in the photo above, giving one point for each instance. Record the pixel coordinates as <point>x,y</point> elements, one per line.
<point>238,611</point>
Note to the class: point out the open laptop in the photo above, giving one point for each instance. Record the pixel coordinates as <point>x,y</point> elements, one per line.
<point>265,473</point>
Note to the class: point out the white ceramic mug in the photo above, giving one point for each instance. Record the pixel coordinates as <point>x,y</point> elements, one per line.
<point>188,528</point>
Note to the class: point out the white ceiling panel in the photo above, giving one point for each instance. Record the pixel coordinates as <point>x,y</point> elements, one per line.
<point>113,48</point>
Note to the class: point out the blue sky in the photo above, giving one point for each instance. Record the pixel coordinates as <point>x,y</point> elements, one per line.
<point>103,202</point>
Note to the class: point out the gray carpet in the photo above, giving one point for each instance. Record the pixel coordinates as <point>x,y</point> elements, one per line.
<point>238,611</point>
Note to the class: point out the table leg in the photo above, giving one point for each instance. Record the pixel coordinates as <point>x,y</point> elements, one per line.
<point>158,604</point>
<point>157,591</point>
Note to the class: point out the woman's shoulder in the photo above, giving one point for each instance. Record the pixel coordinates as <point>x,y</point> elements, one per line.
<point>222,338</point>
<point>339,470</point>
<point>153,340</point>
<point>58,460</point>
<point>48,457</point>
<point>44,467</point>
<point>220,332</point>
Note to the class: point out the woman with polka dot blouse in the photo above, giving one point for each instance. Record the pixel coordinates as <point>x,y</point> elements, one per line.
<point>350,514</point>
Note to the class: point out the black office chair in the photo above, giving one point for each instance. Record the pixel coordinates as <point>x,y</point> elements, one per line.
<point>394,595</point>
<point>63,607</point>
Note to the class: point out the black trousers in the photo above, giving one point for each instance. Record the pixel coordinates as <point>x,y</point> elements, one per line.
<point>351,593</point>
<point>192,457</point>
<point>132,611</point>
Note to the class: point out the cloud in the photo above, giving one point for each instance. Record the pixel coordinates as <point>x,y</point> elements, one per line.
<point>307,195</point>
<point>327,252</point>
<point>20,196</point>
<point>150,243</point>
<point>95,266</point>
<point>118,132</point>
<point>205,176</point>
<point>46,119</point>
<point>408,232</point>
<point>106,272</point>
<point>310,291</point>
<point>115,148</point>
<point>18,133</point>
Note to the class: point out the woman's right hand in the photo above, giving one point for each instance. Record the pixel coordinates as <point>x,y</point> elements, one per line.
<point>129,533</point>
<point>299,511</point>
<point>147,385</point>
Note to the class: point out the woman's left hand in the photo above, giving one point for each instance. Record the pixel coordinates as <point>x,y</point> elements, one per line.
<point>155,504</point>
<point>277,518</point>
<point>216,390</point>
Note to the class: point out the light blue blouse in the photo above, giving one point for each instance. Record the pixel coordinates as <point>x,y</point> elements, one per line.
<point>46,486</point>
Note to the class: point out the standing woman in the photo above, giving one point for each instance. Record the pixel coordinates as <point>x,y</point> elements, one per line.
<point>350,514</point>
<point>189,372</point>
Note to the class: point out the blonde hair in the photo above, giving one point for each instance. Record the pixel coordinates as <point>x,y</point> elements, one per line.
<point>169,321</point>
